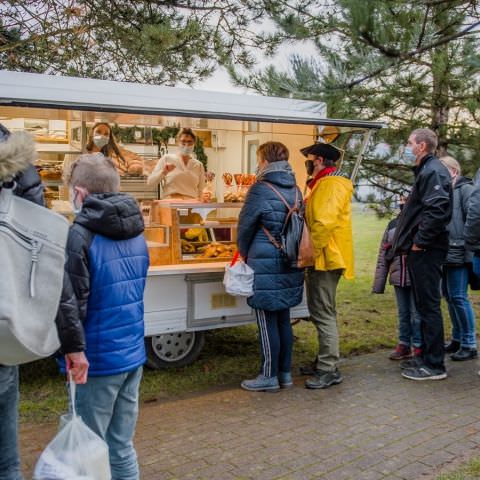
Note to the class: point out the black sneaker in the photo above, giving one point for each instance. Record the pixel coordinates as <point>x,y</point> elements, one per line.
<point>424,373</point>
<point>324,379</point>
<point>464,354</point>
<point>452,346</point>
<point>414,362</point>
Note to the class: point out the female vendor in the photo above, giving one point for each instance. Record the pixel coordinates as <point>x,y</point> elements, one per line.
<point>102,140</point>
<point>181,175</point>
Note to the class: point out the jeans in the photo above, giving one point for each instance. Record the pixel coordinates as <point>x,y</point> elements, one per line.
<point>109,406</point>
<point>321,287</point>
<point>276,341</point>
<point>455,290</point>
<point>9,457</point>
<point>425,268</point>
<point>409,328</point>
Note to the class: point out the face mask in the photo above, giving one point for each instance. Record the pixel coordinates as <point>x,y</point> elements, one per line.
<point>100,140</point>
<point>408,155</point>
<point>184,150</point>
<point>309,167</point>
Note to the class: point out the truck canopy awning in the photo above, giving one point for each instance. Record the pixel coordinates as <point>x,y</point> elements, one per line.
<point>49,91</point>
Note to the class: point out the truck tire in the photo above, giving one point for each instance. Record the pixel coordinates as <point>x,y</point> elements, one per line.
<point>171,350</point>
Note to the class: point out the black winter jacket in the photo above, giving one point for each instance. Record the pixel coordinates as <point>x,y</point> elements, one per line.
<point>428,210</point>
<point>471,231</point>
<point>114,215</point>
<point>457,254</point>
<point>29,186</point>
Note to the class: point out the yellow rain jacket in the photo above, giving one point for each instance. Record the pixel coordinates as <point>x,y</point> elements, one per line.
<point>329,218</point>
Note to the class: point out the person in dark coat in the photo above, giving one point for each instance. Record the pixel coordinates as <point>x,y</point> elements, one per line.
<point>17,154</point>
<point>277,287</point>
<point>107,262</point>
<point>456,268</point>
<point>409,331</point>
<point>422,234</point>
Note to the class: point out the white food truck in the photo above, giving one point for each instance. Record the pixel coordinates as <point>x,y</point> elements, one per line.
<point>184,294</point>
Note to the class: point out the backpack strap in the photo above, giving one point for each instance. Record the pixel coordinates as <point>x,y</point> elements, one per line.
<point>290,211</point>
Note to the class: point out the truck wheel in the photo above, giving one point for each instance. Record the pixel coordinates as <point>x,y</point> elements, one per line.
<point>172,350</point>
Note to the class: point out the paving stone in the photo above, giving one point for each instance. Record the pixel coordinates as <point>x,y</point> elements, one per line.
<point>374,426</point>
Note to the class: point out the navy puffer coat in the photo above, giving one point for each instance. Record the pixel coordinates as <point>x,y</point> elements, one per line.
<point>276,285</point>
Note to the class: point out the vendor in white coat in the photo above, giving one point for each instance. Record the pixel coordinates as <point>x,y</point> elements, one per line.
<point>181,175</point>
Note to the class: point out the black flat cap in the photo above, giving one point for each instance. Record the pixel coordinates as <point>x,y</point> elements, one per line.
<point>324,150</point>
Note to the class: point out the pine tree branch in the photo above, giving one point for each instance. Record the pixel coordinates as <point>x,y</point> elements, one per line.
<point>409,55</point>
<point>424,25</point>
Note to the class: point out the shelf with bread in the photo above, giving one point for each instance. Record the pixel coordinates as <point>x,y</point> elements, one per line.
<point>197,232</point>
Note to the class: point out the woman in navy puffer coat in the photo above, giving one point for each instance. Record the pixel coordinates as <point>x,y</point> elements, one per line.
<point>277,287</point>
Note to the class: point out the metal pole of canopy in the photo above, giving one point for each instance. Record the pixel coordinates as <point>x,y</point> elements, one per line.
<point>358,161</point>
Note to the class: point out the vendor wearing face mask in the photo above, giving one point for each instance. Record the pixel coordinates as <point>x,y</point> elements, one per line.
<point>181,175</point>
<point>102,140</point>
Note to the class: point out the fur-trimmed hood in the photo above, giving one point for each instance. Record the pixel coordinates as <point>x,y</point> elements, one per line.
<point>17,153</point>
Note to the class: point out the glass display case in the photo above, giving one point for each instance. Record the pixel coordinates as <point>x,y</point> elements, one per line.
<point>190,232</point>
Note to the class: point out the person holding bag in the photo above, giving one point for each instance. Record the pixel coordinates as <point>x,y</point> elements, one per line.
<point>106,248</point>
<point>277,286</point>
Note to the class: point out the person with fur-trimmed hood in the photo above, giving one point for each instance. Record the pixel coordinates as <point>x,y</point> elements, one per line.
<point>17,154</point>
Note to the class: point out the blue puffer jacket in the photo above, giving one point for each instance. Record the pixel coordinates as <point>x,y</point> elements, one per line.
<point>276,286</point>
<point>107,261</point>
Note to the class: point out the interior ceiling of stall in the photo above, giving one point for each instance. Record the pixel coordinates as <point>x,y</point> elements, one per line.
<point>9,112</point>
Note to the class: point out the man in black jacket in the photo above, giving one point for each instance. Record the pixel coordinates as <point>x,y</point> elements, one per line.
<point>422,234</point>
<point>17,153</point>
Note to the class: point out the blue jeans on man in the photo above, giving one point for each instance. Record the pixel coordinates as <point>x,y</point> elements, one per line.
<point>9,457</point>
<point>109,406</point>
<point>455,291</point>
<point>409,325</point>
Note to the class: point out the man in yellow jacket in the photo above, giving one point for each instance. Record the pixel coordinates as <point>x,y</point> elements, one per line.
<point>329,218</point>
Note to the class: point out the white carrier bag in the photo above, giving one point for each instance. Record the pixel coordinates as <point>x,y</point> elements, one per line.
<point>75,453</point>
<point>238,278</point>
<point>32,258</point>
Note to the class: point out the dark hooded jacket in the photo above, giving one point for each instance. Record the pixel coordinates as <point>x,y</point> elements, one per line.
<point>428,210</point>
<point>457,254</point>
<point>276,285</point>
<point>107,262</point>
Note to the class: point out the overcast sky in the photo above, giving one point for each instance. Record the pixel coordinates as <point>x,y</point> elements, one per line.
<point>220,81</point>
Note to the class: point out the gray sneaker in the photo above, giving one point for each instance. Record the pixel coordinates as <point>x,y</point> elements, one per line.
<point>261,384</point>
<point>285,379</point>
<point>424,373</point>
<point>324,379</point>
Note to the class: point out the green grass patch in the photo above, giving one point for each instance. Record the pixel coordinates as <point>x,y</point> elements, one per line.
<point>367,322</point>
<point>466,472</point>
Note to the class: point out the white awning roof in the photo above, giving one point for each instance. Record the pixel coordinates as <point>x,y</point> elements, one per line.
<point>38,90</point>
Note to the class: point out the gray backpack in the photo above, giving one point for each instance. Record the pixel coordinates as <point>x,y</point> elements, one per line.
<point>32,258</point>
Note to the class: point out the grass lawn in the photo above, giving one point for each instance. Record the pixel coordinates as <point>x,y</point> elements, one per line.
<point>367,322</point>
<point>468,472</point>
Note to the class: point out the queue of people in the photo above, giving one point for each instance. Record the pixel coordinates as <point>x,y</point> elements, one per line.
<point>100,316</point>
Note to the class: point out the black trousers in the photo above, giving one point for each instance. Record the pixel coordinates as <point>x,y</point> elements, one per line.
<point>425,268</point>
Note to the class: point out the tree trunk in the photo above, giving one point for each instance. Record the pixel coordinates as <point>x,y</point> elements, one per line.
<point>440,87</point>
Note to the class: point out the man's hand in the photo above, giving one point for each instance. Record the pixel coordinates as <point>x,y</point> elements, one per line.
<point>416,248</point>
<point>77,365</point>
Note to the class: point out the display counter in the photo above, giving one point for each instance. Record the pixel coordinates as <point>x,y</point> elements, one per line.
<point>178,233</point>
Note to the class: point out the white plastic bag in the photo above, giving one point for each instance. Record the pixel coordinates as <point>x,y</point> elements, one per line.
<point>238,278</point>
<point>75,453</point>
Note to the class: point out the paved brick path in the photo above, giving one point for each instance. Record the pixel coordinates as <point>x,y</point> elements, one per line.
<point>375,425</point>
